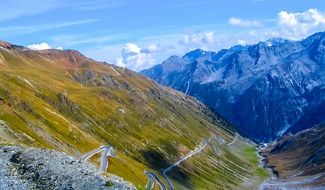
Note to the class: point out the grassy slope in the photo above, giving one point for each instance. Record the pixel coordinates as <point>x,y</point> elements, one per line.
<point>50,100</point>
<point>235,167</point>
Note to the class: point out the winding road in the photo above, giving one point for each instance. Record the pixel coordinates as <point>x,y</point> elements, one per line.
<point>234,140</point>
<point>152,179</point>
<point>198,149</point>
<point>107,151</point>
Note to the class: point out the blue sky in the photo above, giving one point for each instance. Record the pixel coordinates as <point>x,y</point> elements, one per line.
<point>141,33</point>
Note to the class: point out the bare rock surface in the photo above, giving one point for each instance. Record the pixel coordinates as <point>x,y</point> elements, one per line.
<point>32,168</point>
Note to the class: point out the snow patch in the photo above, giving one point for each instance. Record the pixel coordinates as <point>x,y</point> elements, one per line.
<point>312,84</point>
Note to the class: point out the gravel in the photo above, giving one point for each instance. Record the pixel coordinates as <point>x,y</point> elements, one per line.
<point>32,168</point>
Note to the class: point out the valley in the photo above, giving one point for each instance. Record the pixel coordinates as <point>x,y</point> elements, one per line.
<point>271,91</point>
<point>162,95</point>
<point>62,100</point>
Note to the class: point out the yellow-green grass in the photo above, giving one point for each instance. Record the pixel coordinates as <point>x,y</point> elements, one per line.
<point>59,112</point>
<point>251,154</point>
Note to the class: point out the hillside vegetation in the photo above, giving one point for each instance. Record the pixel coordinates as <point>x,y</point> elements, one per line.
<point>65,101</point>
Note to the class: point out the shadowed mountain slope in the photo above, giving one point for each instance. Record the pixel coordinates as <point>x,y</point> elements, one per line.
<point>299,160</point>
<point>263,89</point>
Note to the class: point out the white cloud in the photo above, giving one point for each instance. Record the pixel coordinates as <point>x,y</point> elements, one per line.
<point>42,46</point>
<point>208,37</point>
<point>198,39</point>
<point>298,25</point>
<point>244,23</point>
<point>242,42</point>
<point>135,58</point>
<point>152,48</point>
<point>289,25</point>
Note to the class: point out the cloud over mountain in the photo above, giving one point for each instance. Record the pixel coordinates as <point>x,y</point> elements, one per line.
<point>42,46</point>
<point>297,25</point>
<point>136,58</point>
<point>244,23</point>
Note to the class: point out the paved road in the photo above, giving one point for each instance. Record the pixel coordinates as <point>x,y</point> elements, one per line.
<point>189,155</point>
<point>234,140</point>
<point>107,151</point>
<point>214,147</point>
<point>153,178</point>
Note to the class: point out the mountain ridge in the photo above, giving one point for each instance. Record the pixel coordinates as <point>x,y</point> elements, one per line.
<point>62,100</point>
<point>245,84</point>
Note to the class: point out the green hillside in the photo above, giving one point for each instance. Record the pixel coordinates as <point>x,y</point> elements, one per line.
<point>65,101</point>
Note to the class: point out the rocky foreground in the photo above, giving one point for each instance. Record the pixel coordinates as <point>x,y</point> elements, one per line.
<point>31,168</point>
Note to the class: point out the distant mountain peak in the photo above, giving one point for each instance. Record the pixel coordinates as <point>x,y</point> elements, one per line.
<point>67,57</point>
<point>315,37</point>
<point>5,44</point>
<point>8,45</point>
<point>261,90</point>
<point>195,54</point>
<point>276,41</point>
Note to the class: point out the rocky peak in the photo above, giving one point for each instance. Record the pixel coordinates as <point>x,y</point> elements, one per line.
<point>309,41</point>
<point>276,41</point>
<point>5,44</point>
<point>67,58</point>
<point>260,87</point>
<point>195,54</point>
<point>8,45</point>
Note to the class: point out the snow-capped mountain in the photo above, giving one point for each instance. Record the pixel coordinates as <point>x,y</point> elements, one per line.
<point>264,89</point>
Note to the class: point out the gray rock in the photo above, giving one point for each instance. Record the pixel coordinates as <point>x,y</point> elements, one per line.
<point>31,168</point>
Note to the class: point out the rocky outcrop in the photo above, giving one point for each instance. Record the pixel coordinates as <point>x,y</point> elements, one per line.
<point>30,168</point>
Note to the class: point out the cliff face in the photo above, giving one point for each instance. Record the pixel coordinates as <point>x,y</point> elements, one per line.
<point>263,89</point>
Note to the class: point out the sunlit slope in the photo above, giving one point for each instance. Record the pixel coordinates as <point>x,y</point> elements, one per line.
<point>68,102</point>
<point>221,166</point>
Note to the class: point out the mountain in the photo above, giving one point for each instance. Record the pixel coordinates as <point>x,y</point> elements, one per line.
<point>62,100</point>
<point>263,89</point>
<point>308,171</point>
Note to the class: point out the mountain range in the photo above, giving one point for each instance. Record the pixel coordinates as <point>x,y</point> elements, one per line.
<point>63,100</point>
<point>264,89</point>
